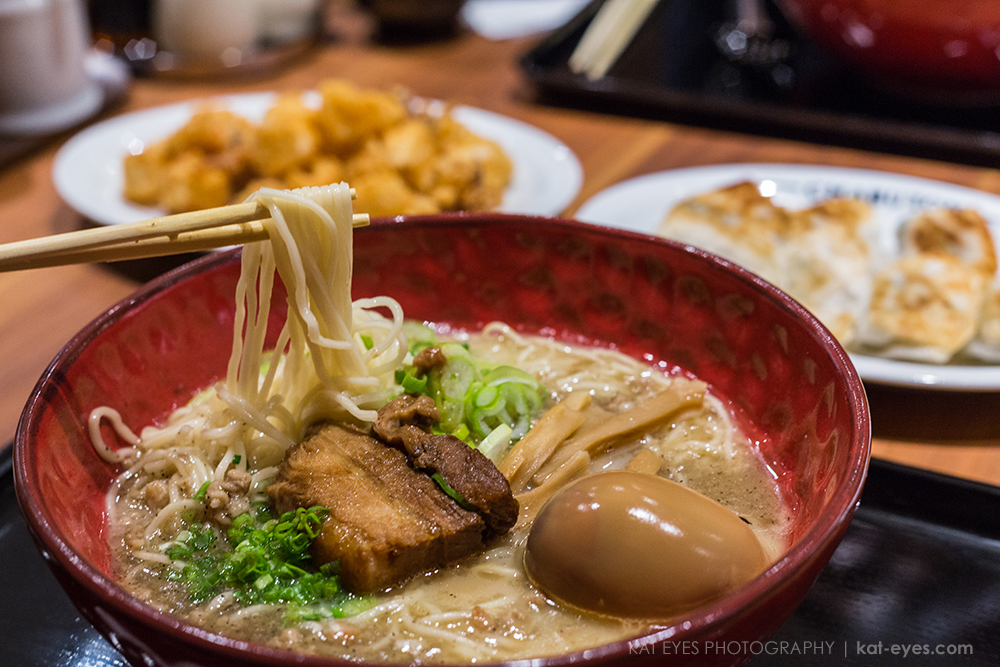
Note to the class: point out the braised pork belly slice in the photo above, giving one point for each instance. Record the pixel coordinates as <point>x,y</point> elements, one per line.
<point>387,522</point>
<point>402,423</point>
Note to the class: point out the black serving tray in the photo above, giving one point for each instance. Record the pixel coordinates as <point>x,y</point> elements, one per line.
<point>674,70</point>
<point>919,566</point>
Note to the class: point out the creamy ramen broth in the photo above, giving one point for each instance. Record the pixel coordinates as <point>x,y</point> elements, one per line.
<point>485,608</point>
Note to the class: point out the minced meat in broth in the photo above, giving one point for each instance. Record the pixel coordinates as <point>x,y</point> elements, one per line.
<point>483,608</point>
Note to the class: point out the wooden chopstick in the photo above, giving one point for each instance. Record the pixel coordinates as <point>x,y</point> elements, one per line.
<point>609,33</point>
<point>184,242</point>
<point>196,231</point>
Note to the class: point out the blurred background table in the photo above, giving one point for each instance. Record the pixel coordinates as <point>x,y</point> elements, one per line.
<point>954,433</point>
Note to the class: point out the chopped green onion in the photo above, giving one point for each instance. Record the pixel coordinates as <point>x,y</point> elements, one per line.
<point>349,605</point>
<point>455,495</point>
<point>408,380</point>
<point>202,491</point>
<point>474,399</point>
<point>265,363</point>
<point>261,562</point>
<point>496,443</point>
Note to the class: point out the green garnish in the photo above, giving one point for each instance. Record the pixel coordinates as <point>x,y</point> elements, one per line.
<point>474,398</point>
<point>455,495</point>
<point>262,562</point>
<point>420,336</point>
<point>198,538</point>
<point>202,491</point>
<point>410,383</point>
<point>316,612</point>
<point>495,444</point>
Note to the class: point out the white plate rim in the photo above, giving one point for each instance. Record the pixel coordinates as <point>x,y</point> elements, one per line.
<point>638,204</point>
<point>87,171</point>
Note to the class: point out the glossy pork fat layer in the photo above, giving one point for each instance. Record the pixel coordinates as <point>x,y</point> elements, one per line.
<point>389,520</point>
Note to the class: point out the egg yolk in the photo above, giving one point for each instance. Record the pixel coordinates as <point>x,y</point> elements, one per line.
<point>637,545</point>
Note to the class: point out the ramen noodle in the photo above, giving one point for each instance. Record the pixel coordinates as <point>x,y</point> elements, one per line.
<point>335,360</point>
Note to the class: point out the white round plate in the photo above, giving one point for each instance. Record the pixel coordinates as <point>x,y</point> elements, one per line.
<point>641,203</point>
<point>88,168</point>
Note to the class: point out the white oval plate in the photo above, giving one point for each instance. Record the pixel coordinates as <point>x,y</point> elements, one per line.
<point>641,203</point>
<point>88,167</point>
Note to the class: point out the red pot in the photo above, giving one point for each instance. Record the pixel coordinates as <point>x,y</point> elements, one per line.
<point>940,50</point>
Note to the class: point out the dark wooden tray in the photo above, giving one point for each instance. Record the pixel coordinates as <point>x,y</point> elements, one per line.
<point>674,70</point>
<point>919,566</point>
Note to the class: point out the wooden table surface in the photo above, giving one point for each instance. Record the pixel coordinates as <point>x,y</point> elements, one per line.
<point>955,433</point>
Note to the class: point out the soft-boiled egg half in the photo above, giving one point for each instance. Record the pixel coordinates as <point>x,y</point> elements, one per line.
<point>637,545</point>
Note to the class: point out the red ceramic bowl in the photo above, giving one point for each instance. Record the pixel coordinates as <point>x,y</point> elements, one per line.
<point>791,384</point>
<point>945,51</point>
